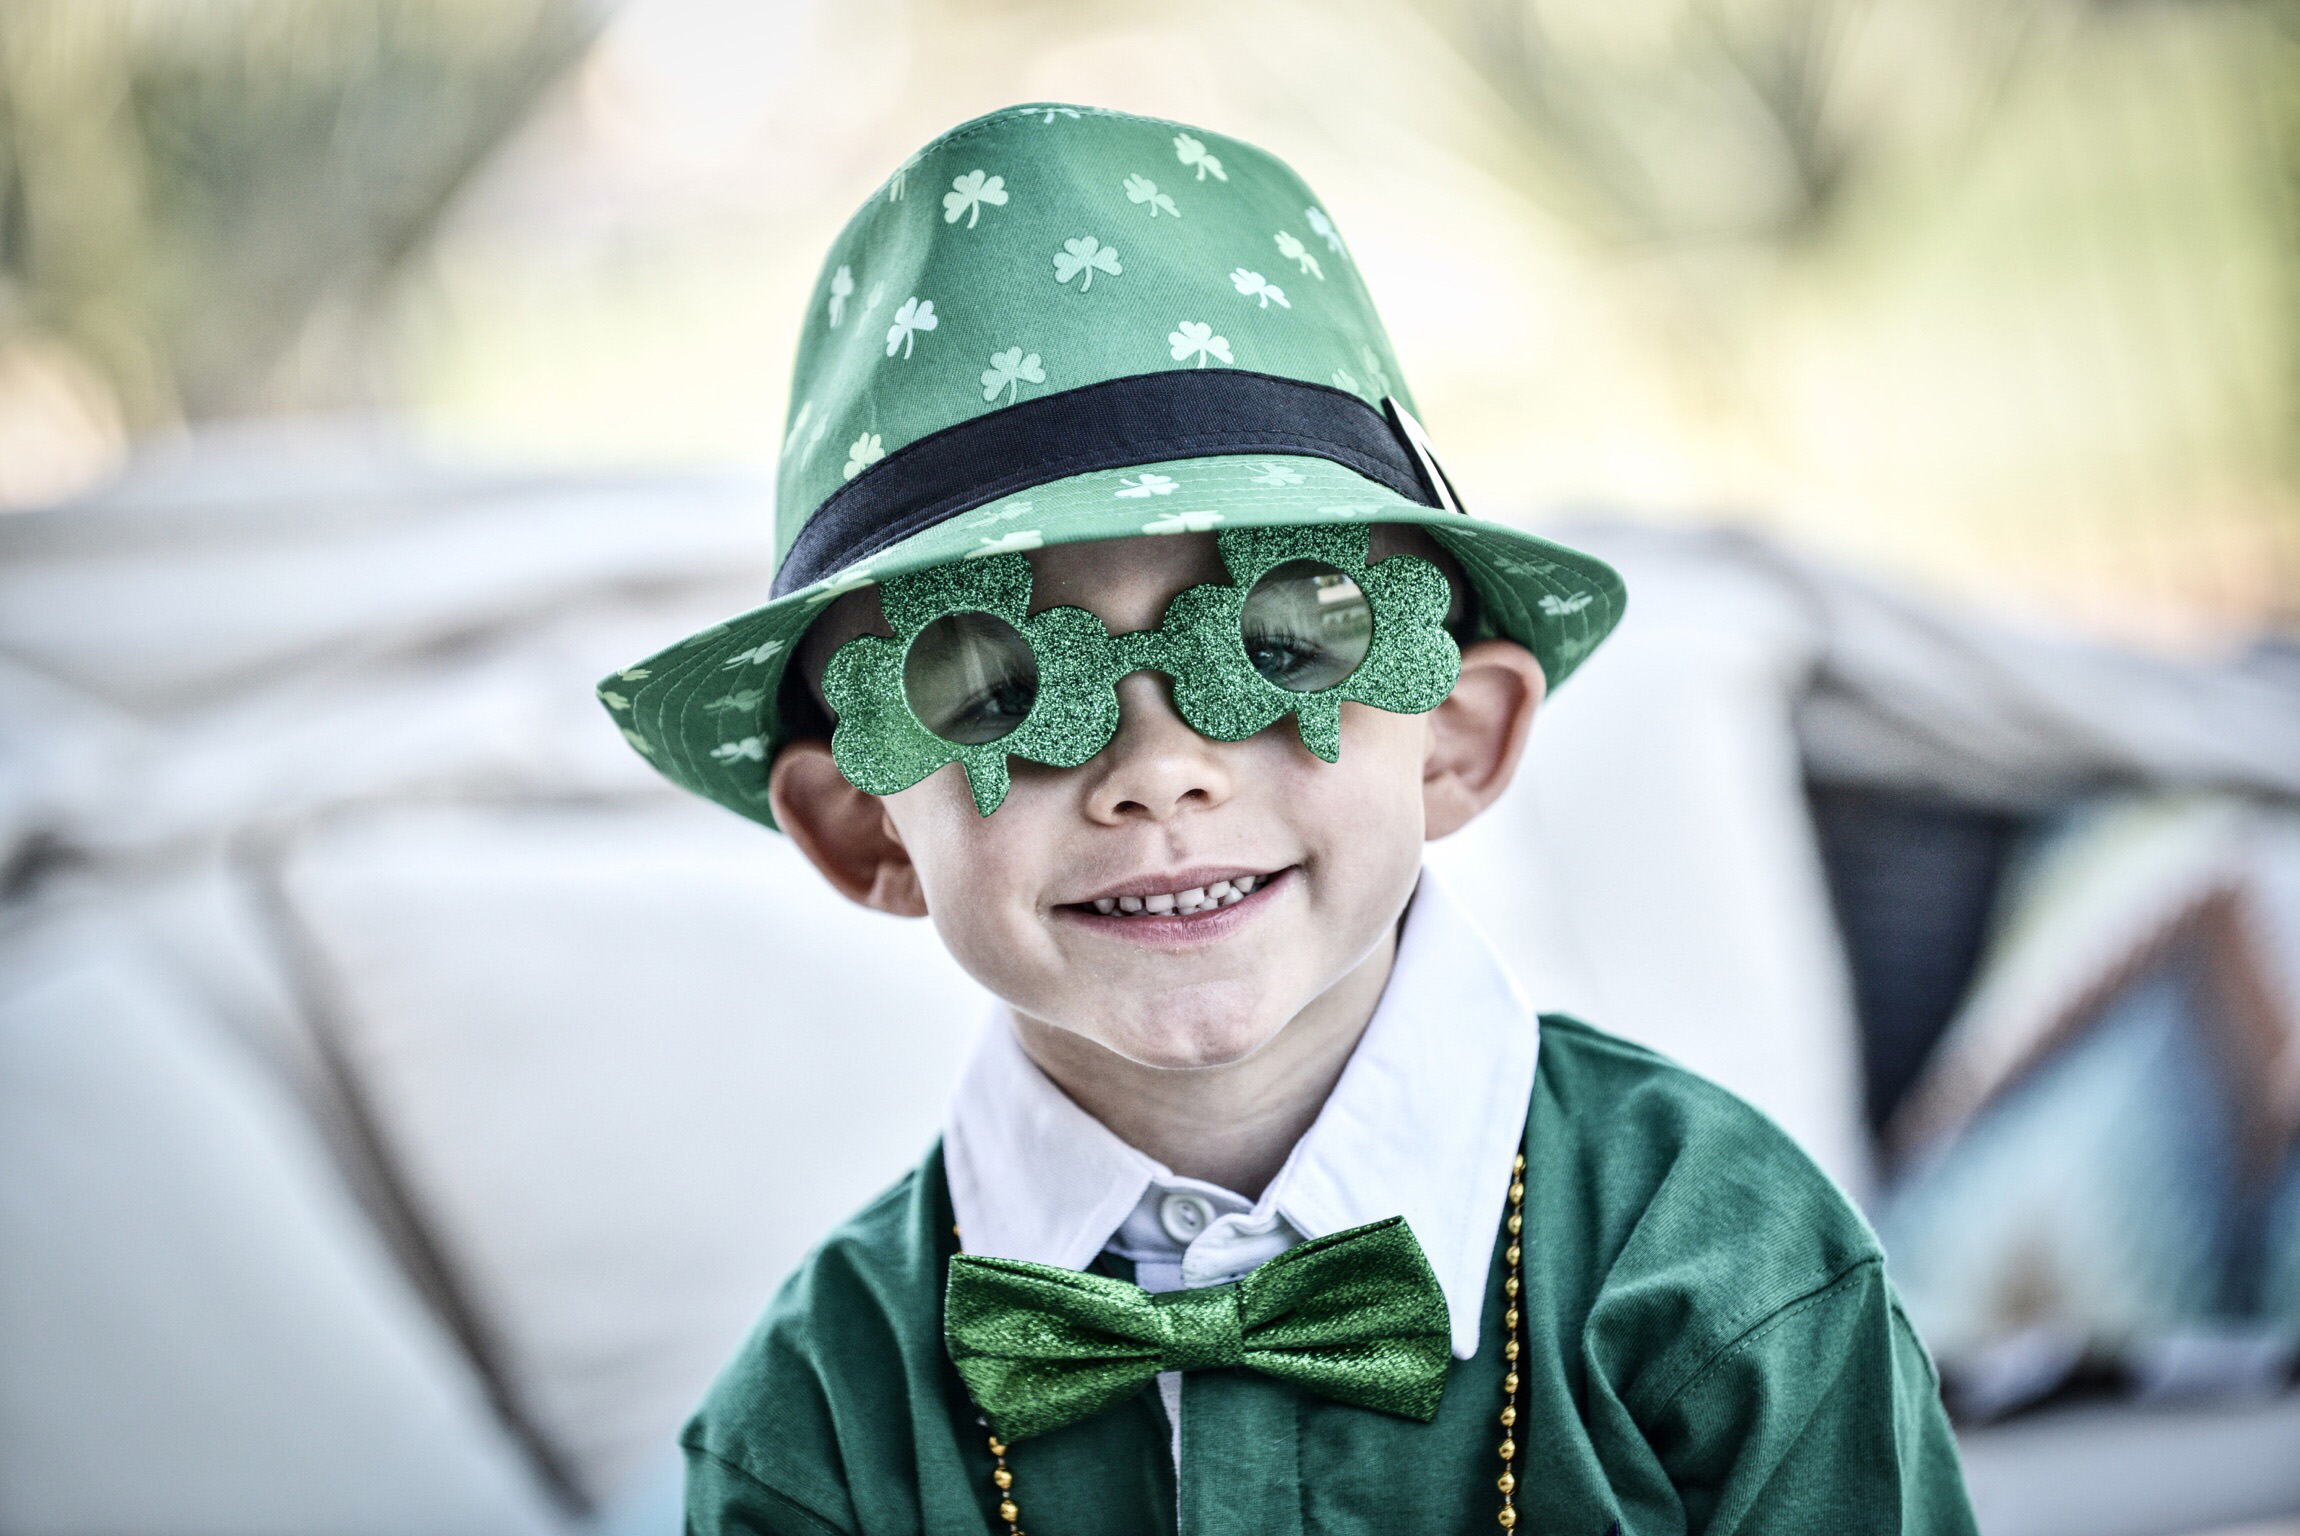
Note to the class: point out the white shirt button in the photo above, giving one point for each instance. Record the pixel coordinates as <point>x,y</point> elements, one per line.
<point>1184,1216</point>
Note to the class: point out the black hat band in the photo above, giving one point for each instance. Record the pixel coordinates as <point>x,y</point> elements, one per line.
<point>1147,419</point>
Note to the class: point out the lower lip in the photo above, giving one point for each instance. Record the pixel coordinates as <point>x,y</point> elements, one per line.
<point>1176,931</point>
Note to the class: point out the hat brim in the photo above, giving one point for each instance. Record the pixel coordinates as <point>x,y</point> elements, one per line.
<point>705,712</point>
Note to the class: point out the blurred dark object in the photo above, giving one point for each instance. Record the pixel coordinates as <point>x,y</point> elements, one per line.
<point>207,203</point>
<point>1913,881</point>
<point>2088,1189</point>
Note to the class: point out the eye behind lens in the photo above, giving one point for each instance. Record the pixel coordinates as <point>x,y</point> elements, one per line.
<point>970,678</point>
<point>1306,626</point>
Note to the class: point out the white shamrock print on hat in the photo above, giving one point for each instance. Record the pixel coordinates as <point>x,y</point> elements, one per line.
<point>1009,543</point>
<point>1254,284</point>
<point>1141,189</point>
<point>757,656</point>
<point>1558,607</point>
<point>842,284</point>
<point>1374,367</point>
<point>613,700</point>
<point>798,429</point>
<point>967,195</point>
<point>838,584</point>
<point>738,699</point>
<point>916,315</point>
<point>1047,114</point>
<point>1323,228</point>
<point>639,741</point>
<point>870,300</point>
<point>865,452</point>
<point>1293,250</point>
<point>1147,485</point>
<point>1182,522</point>
<point>1088,255</point>
<point>1344,379</point>
<point>1010,370</point>
<point>1007,513</point>
<point>1190,152</point>
<point>1278,474</point>
<point>731,752</point>
<point>1193,336</point>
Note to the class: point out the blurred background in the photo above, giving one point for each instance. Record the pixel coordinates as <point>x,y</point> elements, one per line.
<point>406,1101</point>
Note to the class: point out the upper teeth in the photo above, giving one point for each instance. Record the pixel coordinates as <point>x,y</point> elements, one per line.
<point>1199,898</point>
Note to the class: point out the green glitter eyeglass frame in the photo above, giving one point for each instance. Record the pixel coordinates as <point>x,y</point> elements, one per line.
<point>1409,663</point>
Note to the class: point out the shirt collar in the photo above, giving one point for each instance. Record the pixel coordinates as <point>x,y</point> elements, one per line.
<point>1422,1124</point>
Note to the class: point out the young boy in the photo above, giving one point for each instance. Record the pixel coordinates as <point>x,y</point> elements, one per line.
<point>1140,644</point>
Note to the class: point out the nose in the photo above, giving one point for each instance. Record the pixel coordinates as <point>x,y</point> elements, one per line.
<point>1156,768</point>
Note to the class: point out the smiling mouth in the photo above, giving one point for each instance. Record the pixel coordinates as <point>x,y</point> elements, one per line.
<point>1191,901</point>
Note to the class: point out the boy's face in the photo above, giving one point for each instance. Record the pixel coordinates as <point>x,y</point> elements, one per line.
<point>1330,851</point>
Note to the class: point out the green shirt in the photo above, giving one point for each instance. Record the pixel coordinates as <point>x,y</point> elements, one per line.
<point>1713,1347</point>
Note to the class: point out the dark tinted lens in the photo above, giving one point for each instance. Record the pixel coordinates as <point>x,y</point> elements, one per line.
<point>1306,626</point>
<point>970,678</point>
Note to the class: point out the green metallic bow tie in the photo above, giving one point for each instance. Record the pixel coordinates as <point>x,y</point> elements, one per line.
<point>1356,1317</point>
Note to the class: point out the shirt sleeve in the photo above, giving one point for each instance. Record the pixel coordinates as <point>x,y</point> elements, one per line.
<point>1824,1416</point>
<point>724,1500</point>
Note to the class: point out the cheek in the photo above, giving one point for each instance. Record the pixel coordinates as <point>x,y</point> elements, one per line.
<point>1373,795</point>
<point>980,874</point>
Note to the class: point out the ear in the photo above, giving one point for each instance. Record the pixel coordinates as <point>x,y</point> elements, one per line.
<point>1477,735</point>
<point>843,832</point>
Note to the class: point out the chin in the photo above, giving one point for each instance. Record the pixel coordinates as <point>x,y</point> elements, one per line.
<point>1186,1034</point>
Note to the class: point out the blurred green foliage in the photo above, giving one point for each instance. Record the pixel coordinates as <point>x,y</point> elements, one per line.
<point>206,202</point>
<point>2000,294</point>
<point>1678,121</point>
<point>2032,266</point>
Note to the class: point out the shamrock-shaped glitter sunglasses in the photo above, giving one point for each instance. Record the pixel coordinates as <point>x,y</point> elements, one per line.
<point>972,676</point>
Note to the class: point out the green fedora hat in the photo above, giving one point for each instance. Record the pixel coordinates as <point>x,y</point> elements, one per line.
<point>1057,324</point>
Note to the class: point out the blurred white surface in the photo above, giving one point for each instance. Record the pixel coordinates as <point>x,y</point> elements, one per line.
<point>2109,1469</point>
<point>202,1333</point>
<point>304,729</point>
<point>634,1064</point>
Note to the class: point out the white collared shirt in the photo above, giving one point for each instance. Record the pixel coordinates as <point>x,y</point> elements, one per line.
<point>1423,1124</point>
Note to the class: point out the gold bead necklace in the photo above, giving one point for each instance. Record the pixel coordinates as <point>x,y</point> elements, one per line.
<point>1003,1480</point>
<point>1002,1477</point>
<point>1510,1321</point>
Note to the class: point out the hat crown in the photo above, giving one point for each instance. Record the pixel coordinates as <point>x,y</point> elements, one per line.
<point>1044,248</point>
